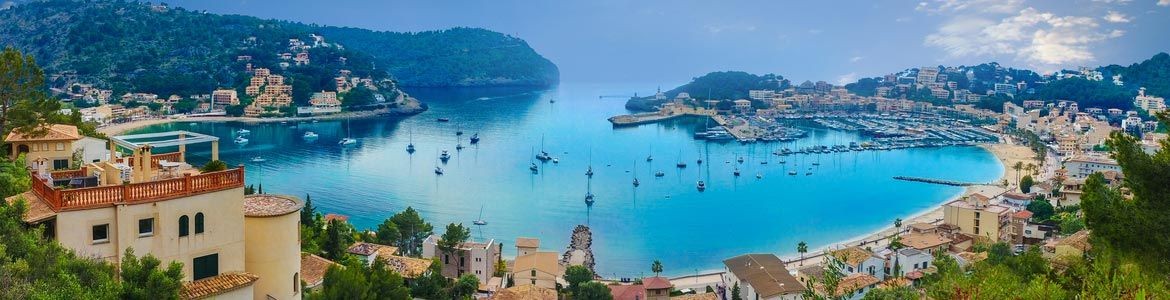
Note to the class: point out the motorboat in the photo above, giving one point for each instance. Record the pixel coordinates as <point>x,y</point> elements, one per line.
<point>659,174</point>
<point>475,138</point>
<point>243,131</point>
<point>443,120</point>
<point>241,140</point>
<point>736,172</point>
<point>438,171</point>
<point>556,160</point>
<point>759,175</point>
<point>445,156</point>
<point>701,185</point>
<point>258,159</point>
<point>309,135</point>
<point>347,141</point>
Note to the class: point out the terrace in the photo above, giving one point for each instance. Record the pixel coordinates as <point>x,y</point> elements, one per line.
<point>130,180</point>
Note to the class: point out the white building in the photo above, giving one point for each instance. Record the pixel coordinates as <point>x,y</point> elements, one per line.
<point>760,277</point>
<point>1081,166</point>
<point>478,258</point>
<point>1149,103</point>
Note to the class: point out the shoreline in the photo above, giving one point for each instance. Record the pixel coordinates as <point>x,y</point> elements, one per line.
<point>121,128</point>
<point>1005,154</point>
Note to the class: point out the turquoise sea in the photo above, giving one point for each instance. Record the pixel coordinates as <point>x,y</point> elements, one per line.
<point>666,218</point>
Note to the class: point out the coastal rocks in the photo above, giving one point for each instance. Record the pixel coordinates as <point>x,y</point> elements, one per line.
<point>580,250</point>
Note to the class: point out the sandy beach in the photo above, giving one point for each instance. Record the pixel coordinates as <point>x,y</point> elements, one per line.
<point>1006,154</point>
<point>117,129</point>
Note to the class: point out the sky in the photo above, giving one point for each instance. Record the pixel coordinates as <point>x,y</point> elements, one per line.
<point>668,42</point>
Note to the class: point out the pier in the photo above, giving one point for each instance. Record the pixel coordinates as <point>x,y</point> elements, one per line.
<point>666,113</point>
<point>937,181</point>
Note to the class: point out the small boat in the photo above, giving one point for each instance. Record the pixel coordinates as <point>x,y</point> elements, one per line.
<point>480,221</point>
<point>258,159</point>
<point>740,159</point>
<point>553,100</point>
<point>759,176</point>
<point>636,182</point>
<point>243,131</point>
<point>816,163</point>
<point>438,171</point>
<point>589,172</point>
<point>681,165</point>
<point>782,161</point>
<point>347,141</point>
<point>443,120</point>
<point>459,147</point>
<point>459,132</point>
<point>699,161</point>
<point>533,168</point>
<point>793,172</point>
<point>589,198</point>
<point>543,156</point>
<point>475,138</point>
<point>701,185</point>
<point>736,172</point>
<point>556,160</point>
<point>649,158</point>
<point>445,156</point>
<point>241,140</point>
<point>410,148</point>
<point>763,162</point>
<point>808,173</point>
<point>310,135</point>
<point>659,174</point>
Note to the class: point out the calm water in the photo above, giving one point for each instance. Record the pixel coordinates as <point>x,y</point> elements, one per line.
<point>849,194</point>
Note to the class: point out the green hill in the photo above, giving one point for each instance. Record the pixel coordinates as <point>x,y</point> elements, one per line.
<point>131,46</point>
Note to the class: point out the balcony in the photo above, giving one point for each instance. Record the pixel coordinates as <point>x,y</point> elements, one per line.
<point>135,193</point>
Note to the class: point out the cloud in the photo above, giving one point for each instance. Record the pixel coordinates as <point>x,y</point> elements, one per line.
<point>1032,36</point>
<point>856,59</point>
<point>1112,1</point>
<point>908,19</point>
<point>979,6</point>
<point>6,5</point>
<point>1163,2</point>
<point>847,78</point>
<point>815,31</point>
<point>1116,17</point>
<point>715,29</point>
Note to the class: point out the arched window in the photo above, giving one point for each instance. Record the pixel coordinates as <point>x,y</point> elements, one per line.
<point>198,223</point>
<point>184,224</point>
<point>296,282</point>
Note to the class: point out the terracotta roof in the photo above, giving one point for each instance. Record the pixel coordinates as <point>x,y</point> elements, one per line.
<point>855,282</point>
<point>1079,240</point>
<point>37,210</point>
<point>408,267</point>
<point>765,273</point>
<point>527,242</point>
<point>922,241</point>
<point>217,285</point>
<point>1023,214</point>
<point>812,271</point>
<point>270,205</point>
<point>627,292</point>
<point>656,283</point>
<point>1017,196</point>
<point>367,249</point>
<point>852,256</point>
<point>53,132</point>
<point>703,296</point>
<point>542,261</point>
<point>898,281</point>
<point>525,292</point>
<point>972,257</point>
<point>313,269</point>
<point>923,226</point>
<point>914,275</point>
<point>331,217</point>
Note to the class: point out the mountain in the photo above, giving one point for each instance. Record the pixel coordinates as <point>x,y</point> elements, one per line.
<point>139,47</point>
<point>714,85</point>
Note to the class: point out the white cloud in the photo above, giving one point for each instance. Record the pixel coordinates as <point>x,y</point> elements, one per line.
<point>715,29</point>
<point>1163,2</point>
<point>1116,17</point>
<point>981,6</point>
<point>1034,37</point>
<point>1112,1</point>
<point>908,19</point>
<point>847,78</point>
<point>815,31</point>
<point>856,59</point>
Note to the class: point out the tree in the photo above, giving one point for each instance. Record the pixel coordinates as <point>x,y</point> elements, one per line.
<point>432,285</point>
<point>1026,184</point>
<point>14,179</point>
<point>656,267</point>
<point>1019,165</point>
<point>735,292</point>
<point>593,291</point>
<point>337,240</point>
<point>414,231</point>
<point>142,278</point>
<point>891,293</point>
<point>388,233</point>
<point>455,235</point>
<point>308,213</point>
<point>802,248</point>
<point>32,267</point>
<point>1041,209</point>
<point>576,275</point>
<point>357,96</point>
<point>342,283</point>
<point>465,286</point>
<point>21,81</point>
<point>385,283</point>
<point>214,166</point>
<point>828,282</point>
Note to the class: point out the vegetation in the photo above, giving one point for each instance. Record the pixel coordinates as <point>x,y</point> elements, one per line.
<point>214,166</point>
<point>33,267</point>
<point>716,85</point>
<point>576,276</point>
<point>656,267</point>
<point>1087,93</point>
<point>1041,209</point>
<point>1153,74</point>
<point>1026,183</point>
<point>24,106</point>
<point>357,281</point>
<point>593,291</point>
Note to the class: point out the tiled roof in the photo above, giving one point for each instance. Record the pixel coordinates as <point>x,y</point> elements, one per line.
<point>656,283</point>
<point>898,281</point>
<point>527,242</point>
<point>627,291</point>
<point>972,257</point>
<point>53,132</point>
<point>855,282</point>
<point>921,226</point>
<point>270,205</point>
<point>408,267</point>
<point>703,296</point>
<point>331,217</point>
<point>1017,196</point>
<point>217,285</point>
<point>313,269</point>
<point>1023,214</point>
<point>525,292</point>
<point>765,273</point>
<point>367,249</point>
<point>852,256</point>
<point>37,210</point>
<point>923,241</point>
<point>542,261</point>
<point>1079,240</point>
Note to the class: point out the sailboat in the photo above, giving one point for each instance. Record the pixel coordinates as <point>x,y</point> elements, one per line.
<point>445,156</point>
<point>589,192</point>
<point>475,138</point>
<point>410,146</point>
<point>438,171</point>
<point>480,221</point>
<point>589,171</point>
<point>736,172</point>
<point>650,157</point>
<point>532,165</point>
<point>543,156</point>
<point>636,174</point>
<point>680,163</point>
<point>347,140</point>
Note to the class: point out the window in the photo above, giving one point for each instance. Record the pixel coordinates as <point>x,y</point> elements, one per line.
<point>850,269</point>
<point>925,264</point>
<point>976,230</point>
<point>976,215</point>
<point>533,273</point>
<point>198,223</point>
<point>60,146</point>
<point>59,164</point>
<point>205,266</point>
<point>146,227</point>
<point>101,233</point>
<point>296,282</point>
<point>184,224</point>
<point>446,259</point>
<point>534,282</point>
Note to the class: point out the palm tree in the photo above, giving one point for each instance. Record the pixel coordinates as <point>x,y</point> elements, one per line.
<point>1033,168</point>
<point>656,267</point>
<point>802,247</point>
<point>898,225</point>
<point>1019,165</point>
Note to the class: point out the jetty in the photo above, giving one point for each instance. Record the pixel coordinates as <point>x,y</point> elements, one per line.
<point>667,112</point>
<point>937,181</point>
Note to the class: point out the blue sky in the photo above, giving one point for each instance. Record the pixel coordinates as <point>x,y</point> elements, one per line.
<point>668,42</point>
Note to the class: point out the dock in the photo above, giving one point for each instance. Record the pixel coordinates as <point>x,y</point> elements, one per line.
<point>937,181</point>
<point>666,113</point>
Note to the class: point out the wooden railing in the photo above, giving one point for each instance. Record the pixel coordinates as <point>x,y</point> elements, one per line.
<point>73,199</point>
